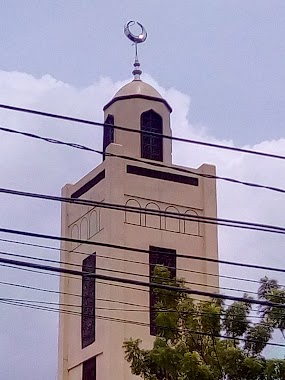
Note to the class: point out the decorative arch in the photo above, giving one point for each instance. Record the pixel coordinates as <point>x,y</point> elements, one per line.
<point>191,227</point>
<point>151,145</point>
<point>74,235</point>
<point>172,223</point>
<point>153,221</point>
<point>133,217</point>
<point>93,223</point>
<point>84,229</point>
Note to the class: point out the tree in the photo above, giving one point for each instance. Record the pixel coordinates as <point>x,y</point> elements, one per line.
<point>206,340</point>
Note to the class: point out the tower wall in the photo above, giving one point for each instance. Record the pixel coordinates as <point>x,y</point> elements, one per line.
<point>127,113</point>
<point>138,184</point>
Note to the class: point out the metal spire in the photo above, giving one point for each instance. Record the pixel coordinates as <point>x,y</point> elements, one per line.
<point>136,39</point>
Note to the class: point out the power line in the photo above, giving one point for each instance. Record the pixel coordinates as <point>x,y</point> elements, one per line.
<point>136,262</point>
<point>174,138</point>
<point>152,163</point>
<point>125,272</point>
<point>143,308</point>
<point>97,281</point>
<point>127,321</point>
<point>139,283</point>
<point>41,302</point>
<point>14,266</point>
<point>133,249</point>
<point>132,273</point>
<point>169,214</point>
<point>97,299</point>
<point>68,294</point>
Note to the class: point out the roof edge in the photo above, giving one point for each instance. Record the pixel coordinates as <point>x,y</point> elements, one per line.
<point>140,96</point>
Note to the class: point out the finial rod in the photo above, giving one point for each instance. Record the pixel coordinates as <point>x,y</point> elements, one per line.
<point>136,39</point>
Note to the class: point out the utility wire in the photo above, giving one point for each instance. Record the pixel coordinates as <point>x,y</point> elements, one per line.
<point>125,272</point>
<point>97,281</point>
<point>69,294</point>
<point>127,321</point>
<point>129,261</point>
<point>174,138</point>
<point>146,308</point>
<point>105,282</point>
<point>149,285</point>
<point>133,249</point>
<point>133,261</point>
<point>149,162</point>
<point>142,308</point>
<point>75,278</point>
<point>169,214</point>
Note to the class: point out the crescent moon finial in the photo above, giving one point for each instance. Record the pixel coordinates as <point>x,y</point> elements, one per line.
<point>136,39</point>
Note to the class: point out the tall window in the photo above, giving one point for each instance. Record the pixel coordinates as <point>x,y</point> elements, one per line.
<point>159,256</point>
<point>108,136</point>
<point>151,145</point>
<point>89,369</point>
<point>88,301</point>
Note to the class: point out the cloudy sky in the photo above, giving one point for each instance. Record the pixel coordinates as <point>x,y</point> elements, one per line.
<point>220,64</point>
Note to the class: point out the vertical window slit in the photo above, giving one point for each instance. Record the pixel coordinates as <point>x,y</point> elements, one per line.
<point>88,301</point>
<point>108,135</point>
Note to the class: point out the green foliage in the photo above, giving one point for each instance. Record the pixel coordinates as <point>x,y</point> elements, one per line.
<point>205,340</point>
<point>271,291</point>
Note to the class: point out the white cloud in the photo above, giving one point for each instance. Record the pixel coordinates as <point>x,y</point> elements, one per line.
<point>37,166</point>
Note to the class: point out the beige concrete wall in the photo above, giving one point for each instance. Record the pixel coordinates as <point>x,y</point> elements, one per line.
<point>130,230</point>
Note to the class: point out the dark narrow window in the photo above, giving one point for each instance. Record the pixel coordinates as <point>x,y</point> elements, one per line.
<point>151,145</point>
<point>89,369</point>
<point>159,256</point>
<point>88,301</point>
<point>108,136</point>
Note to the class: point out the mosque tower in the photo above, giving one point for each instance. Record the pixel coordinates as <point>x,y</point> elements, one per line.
<point>136,171</point>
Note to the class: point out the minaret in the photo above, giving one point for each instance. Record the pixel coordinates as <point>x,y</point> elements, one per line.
<point>90,344</point>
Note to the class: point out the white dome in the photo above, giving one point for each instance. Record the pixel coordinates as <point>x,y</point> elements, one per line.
<point>137,87</point>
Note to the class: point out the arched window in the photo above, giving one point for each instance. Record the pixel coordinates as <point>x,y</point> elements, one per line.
<point>108,135</point>
<point>151,145</point>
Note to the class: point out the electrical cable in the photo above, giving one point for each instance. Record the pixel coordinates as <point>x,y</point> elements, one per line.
<point>133,249</point>
<point>124,272</point>
<point>131,130</point>
<point>69,294</point>
<point>149,162</point>
<point>136,262</point>
<point>105,282</point>
<point>133,282</point>
<point>97,299</point>
<point>174,138</point>
<point>97,281</point>
<point>144,308</point>
<point>119,320</point>
<point>140,210</point>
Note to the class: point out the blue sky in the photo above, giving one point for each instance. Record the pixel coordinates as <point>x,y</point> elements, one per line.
<point>228,55</point>
<point>221,66</point>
